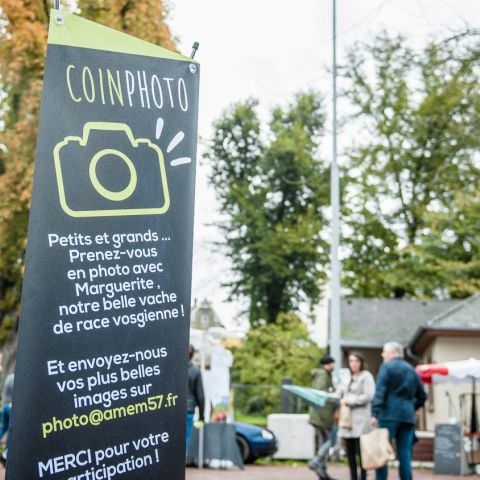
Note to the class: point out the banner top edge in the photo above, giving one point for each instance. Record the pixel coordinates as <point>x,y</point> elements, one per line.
<point>71,30</point>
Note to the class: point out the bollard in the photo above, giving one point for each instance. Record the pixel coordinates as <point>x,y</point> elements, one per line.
<point>287,404</point>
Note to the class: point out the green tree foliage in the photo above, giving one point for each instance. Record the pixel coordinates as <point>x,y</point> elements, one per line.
<point>271,352</point>
<point>419,114</point>
<point>23,39</point>
<point>272,190</point>
<point>450,247</point>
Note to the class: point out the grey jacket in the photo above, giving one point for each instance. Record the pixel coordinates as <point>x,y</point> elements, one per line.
<point>195,396</point>
<point>358,395</point>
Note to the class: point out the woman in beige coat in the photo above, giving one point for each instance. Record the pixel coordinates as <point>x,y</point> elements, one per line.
<point>357,395</point>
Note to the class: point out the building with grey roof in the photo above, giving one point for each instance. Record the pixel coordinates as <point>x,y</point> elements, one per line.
<point>461,320</point>
<point>368,323</point>
<point>432,331</point>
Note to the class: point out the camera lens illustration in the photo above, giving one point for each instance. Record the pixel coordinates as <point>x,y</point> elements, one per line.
<point>111,195</point>
<point>109,172</point>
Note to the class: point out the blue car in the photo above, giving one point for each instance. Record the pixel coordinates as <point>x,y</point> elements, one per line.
<point>254,441</point>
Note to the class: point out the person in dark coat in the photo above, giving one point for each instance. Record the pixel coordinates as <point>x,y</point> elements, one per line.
<point>195,395</point>
<point>399,393</point>
<point>322,419</point>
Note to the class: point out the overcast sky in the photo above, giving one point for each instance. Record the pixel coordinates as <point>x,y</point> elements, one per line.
<point>271,49</point>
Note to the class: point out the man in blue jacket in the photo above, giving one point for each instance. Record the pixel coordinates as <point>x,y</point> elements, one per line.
<point>399,393</point>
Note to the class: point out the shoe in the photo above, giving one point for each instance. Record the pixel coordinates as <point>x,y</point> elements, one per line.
<point>312,466</point>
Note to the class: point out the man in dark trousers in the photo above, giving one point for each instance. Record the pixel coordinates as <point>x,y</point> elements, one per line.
<point>322,419</point>
<point>195,396</point>
<point>399,393</point>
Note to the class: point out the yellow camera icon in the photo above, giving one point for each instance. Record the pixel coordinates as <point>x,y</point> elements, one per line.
<point>145,164</point>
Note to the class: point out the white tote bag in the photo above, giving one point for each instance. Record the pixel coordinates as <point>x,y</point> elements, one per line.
<point>376,449</point>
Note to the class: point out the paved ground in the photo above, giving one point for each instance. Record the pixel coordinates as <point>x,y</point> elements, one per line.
<point>289,472</point>
<point>292,472</point>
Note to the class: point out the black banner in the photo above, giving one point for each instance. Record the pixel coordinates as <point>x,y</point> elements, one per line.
<point>101,374</point>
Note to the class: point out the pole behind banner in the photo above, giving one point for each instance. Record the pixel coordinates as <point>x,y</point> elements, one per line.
<point>335,314</point>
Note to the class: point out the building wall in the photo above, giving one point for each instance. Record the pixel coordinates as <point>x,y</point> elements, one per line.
<point>439,408</point>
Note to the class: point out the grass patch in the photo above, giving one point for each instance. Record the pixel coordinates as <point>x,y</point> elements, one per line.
<point>252,419</point>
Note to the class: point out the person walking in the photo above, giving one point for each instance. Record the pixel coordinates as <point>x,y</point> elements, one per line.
<point>7,396</point>
<point>357,395</point>
<point>398,395</point>
<point>195,395</point>
<point>322,419</point>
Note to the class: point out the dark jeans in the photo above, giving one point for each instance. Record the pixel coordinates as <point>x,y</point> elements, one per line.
<point>6,414</point>
<point>403,434</point>
<point>318,463</point>
<point>353,452</point>
<point>189,431</point>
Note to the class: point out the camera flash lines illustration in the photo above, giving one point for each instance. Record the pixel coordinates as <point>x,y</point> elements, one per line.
<point>176,140</point>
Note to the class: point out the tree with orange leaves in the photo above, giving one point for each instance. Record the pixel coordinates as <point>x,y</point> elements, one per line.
<point>23,40</point>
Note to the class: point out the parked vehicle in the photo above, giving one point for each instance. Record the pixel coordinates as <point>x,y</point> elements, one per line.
<point>254,441</point>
